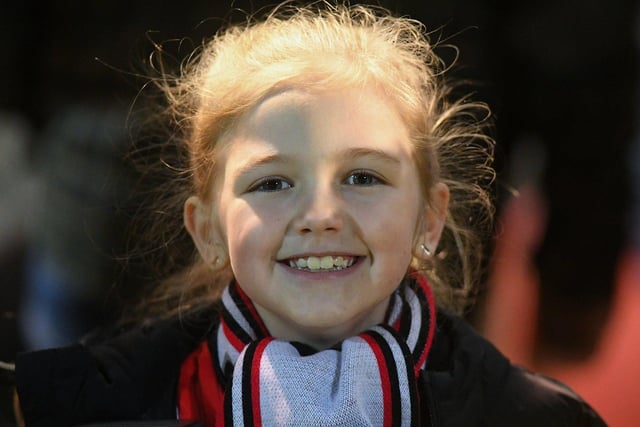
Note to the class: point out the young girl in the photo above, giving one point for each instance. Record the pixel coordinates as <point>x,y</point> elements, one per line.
<point>337,198</point>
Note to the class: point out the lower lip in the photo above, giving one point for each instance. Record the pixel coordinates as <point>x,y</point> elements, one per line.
<point>324,274</point>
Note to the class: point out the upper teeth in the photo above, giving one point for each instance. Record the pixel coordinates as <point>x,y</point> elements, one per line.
<point>322,263</point>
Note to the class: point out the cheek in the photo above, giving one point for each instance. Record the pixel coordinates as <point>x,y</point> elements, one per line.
<point>391,231</point>
<point>241,229</point>
<point>250,235</point>
<point>391,255</point>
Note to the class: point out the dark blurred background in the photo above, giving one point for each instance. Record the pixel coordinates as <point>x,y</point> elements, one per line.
<point>561,77</point>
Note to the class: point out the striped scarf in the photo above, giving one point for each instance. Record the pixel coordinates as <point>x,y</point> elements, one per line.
<point>242,376</point>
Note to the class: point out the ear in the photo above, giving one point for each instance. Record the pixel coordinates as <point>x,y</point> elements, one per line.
<point>207,238</point>
<point>432,221</point>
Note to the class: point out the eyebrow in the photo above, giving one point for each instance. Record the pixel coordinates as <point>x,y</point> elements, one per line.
<point>256,162</point>
<point>358,152</point>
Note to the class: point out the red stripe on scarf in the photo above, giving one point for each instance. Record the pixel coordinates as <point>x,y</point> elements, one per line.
<point>233,338</point>
<point>200,396</point>
<point>384,379</point>
<point>255,381</point>
<point>422,281</point>
<point>254,313</point>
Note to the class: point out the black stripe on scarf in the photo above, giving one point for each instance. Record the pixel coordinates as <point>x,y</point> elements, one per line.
<point>303,349</point>
<point>405,314</point>
<point>427,316</point>
<point>234,292</point>
<point>234,326</point>
<point>247,392</point>
<point>394,383</point>
<point>411,378</point>
<point>223,373</point>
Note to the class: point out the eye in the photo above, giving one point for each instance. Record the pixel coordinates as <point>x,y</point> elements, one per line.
<point>363,178</point>
<point>270,184</point>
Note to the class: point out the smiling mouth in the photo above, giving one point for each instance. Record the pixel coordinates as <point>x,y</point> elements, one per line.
<point>321,264</point>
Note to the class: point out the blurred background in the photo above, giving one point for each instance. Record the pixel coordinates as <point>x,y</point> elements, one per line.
<point>561,76</point>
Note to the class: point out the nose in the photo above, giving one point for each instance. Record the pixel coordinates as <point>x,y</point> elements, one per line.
<point>321,211</point>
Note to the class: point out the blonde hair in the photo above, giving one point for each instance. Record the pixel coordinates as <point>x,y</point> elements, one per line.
<point>323,46</point>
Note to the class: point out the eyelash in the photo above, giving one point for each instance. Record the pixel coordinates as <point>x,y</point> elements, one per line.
<point>366,174</point>
<point>264,184</point>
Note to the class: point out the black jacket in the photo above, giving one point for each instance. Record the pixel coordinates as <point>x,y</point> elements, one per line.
<point>134,375</point>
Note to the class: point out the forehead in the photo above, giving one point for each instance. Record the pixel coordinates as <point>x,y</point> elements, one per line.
<point>300,119</point>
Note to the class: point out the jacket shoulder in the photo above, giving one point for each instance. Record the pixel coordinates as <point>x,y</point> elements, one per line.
<point>130,376</point>
<point>469,382</point>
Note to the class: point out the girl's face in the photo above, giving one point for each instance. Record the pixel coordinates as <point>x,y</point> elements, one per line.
<point>320,207</point>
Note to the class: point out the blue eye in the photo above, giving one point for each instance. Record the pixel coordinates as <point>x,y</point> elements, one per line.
<point>362,178</point>
<point>270,185</point>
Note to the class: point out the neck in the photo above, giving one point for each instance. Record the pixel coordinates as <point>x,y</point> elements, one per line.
<point>321,337</point>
